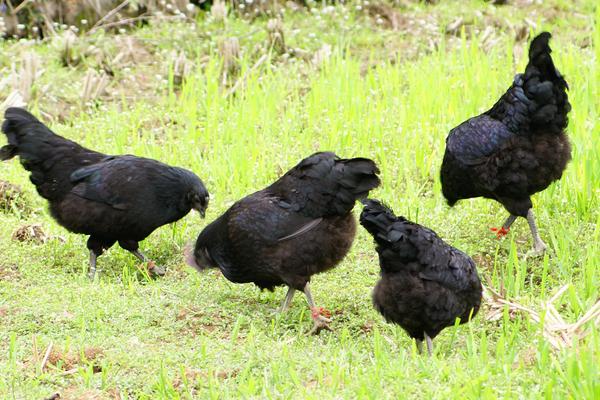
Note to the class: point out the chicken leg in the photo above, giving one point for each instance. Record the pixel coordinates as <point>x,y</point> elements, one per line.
<point>92,269</point>
<point>429,344</point>
<point>153,268</point>
<point>288,299</point>
<point>539,247</point>
<point>320,322</point>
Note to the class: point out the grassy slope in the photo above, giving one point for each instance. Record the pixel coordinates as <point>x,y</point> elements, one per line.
<point>199,335</point>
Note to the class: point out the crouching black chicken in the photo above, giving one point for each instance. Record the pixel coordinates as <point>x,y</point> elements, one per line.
<point>425,283</point>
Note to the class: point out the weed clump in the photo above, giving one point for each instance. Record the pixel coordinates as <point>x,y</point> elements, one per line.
<point>67,361</point>
<point>12,199</point>
<point>276,36</point>
<point>229,49</point>
<point>30,233</point>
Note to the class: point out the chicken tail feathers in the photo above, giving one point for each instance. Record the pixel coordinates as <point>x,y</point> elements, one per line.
<point>537,101</point>
<point>539,57</point>
<point>25,134</point>
<point>50,158</point>
<point>325,185</point>
<point>376,217</point>
<point>15,119</point>
<point>546,87</point>
<point>359,176</point>
<point>351,179</point>
<point>7,152</point>
<point>391,233</point>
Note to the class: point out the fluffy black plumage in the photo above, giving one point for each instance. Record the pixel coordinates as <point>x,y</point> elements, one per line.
<point>110,198</point>
<point>299,226</point>
<point>425,283</point>
<point>518,147</point>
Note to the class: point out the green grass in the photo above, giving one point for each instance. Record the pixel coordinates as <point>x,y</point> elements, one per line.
<point>191,335</point>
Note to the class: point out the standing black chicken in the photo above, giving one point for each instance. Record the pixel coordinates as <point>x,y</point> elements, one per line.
<point>425,283</point>
<point>299,226</point>
<point>515,149</point>
<point>110,198</point>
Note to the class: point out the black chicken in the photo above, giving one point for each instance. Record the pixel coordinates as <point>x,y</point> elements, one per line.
<point>425,283</point>
<point>299,226</point>
<point>515,149</point>
<point>110,198</point>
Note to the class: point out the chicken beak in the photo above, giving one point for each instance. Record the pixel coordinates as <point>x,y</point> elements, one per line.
<point>200,208</point>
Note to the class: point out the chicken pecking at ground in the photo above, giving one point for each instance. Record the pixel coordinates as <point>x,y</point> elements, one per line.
<point>299,226</point>
<point>110,198</point>
<point>425,283</point>
<point>515,149</point>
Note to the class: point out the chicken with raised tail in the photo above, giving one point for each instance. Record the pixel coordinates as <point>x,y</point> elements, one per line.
<point>515,149</point>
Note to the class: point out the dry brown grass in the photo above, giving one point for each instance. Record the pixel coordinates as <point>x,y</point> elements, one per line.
<point>276,37</point>
<point>68,362</point>
<point>32,233</point>
<point>559,333</point>
<point>229,49</point>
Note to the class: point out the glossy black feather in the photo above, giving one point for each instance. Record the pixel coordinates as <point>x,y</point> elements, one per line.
<point>425,283</point>
<point>519,146</point>
<point>300,225</point>
<point>111,198</point>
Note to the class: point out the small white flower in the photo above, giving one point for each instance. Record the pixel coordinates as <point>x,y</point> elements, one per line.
<point>84,22</point>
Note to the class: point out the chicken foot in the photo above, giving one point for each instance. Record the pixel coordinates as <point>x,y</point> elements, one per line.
<point>320,322</point>
<point>503,231</point>
<point>153,268</point>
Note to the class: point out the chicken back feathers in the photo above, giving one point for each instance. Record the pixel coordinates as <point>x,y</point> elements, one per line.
<point>518,147</point>
<point>425,283</point>
<point>299,226</point>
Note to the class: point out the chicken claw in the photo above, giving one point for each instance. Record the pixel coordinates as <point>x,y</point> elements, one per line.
<point>321,322</point>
